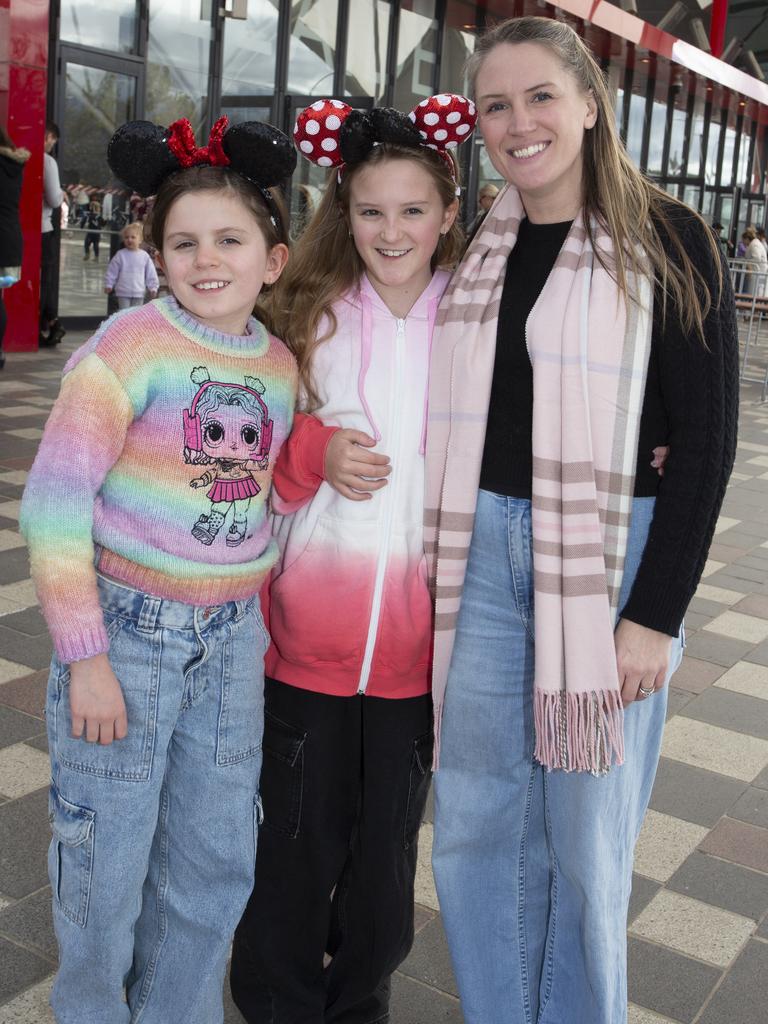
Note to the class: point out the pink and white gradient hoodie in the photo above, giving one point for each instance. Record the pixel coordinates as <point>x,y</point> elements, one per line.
<point>349,607</point>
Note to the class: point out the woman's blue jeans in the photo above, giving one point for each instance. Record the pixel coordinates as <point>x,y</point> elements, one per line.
<point>154,836</point>
<point>533,868</point>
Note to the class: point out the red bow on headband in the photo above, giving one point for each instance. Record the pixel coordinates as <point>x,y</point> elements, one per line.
<point>181,142</point>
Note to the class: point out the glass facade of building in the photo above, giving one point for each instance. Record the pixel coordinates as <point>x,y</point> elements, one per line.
<point>267,59</point>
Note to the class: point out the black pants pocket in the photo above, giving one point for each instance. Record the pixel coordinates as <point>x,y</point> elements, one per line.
<point>418,787</point>
<point>282,776</point>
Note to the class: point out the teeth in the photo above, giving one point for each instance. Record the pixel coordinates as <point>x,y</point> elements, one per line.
<point>208,285</point>
<point>529,150</point>
<point>394,252</point>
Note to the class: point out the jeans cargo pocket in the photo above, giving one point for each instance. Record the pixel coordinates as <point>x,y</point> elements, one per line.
<point>418,787</point>
<point>241,670</point>
<point>282,776</point>
<point>71,855</point>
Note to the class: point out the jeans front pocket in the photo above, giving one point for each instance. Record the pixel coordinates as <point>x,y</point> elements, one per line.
<point>282,776</point>
<point>135,659</point>
<point>418,786</point>
<point>71,855</point>
<point>238,662</point>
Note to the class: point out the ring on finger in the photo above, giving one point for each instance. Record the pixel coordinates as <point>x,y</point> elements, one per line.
<point>647,693</point>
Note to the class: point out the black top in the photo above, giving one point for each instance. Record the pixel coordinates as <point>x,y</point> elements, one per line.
<point>691,403</point>
<point>11,170</point>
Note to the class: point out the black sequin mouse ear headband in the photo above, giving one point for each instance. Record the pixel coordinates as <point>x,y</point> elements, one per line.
<point>143,155</point>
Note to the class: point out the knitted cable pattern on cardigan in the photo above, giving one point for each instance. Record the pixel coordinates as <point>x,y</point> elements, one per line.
<point>120,481</point>
<point>589,352</point>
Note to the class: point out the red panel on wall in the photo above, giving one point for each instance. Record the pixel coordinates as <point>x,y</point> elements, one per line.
<point>23,85</point>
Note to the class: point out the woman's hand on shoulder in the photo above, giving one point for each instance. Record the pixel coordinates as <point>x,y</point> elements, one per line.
<point>642,659</point>
<point>96,701</point>
<point>351,469</point>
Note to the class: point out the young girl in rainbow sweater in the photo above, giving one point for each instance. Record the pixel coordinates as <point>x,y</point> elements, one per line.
<point>149,540</point>
<point>348,724</point>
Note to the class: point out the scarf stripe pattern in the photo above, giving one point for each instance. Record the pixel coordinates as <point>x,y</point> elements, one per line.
<point>589,350</point>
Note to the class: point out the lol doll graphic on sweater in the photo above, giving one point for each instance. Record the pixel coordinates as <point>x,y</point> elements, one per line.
<point>226,427</point>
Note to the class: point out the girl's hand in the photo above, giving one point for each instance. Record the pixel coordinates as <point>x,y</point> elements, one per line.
<point>350,469</point>
<point>660,454</point>
<point>642,658</point>
<point>198,481</point>
<point>96,701</point>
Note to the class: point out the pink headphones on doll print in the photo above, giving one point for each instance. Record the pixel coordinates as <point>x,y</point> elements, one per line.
<point>330,133</point>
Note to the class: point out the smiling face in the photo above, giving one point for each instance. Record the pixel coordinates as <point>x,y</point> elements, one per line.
<point>216,259</point>
<point>533,116</point>
<point>396,216</point>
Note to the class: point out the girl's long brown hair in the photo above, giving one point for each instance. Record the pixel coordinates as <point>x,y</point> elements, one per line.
<point>325,263</point>
<point>629,206</point>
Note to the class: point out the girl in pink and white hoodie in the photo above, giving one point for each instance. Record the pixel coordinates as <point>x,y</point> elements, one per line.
<point>348,724</point>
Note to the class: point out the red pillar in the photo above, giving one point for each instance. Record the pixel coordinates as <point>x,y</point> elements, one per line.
<point>23,86</point>
<point>717,27</point>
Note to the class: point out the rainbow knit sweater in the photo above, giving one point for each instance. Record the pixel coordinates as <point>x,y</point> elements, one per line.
<point>155,466</point>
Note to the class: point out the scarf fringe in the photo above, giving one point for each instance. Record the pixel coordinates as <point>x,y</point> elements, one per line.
<point>581,732</point>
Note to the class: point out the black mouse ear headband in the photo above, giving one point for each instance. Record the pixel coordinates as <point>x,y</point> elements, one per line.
<point>142,154</point>
<point>331,134</point>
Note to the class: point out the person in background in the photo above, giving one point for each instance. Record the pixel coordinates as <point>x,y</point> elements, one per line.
<point>93,222</point>
<point>760,232</point>
<point>757,255</point>
<point>131,271</point>
<point>51,331</point>
<point>12,161</point>
<point>485,198</point>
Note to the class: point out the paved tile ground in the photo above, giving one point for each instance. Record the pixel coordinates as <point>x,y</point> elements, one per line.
<point>698,926</point>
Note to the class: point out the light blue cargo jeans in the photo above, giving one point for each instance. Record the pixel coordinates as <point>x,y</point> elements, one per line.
<point>533,868</point>
<point>154,836</point>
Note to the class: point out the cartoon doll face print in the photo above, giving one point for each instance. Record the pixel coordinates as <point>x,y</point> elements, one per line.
<point>231,432</point>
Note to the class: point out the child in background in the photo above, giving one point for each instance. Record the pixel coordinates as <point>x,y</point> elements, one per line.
<point>155,699</point>
<point>93,222</point>
<point>348,724</point>
<point>131,271</point>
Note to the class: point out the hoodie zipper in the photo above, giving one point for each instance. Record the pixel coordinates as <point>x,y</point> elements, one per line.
<point>389,497</point>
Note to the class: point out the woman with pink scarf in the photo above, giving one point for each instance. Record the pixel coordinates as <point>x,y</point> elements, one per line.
<point>590,321</point>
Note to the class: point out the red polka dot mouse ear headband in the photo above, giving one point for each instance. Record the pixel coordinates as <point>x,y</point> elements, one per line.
<point>331,134</point>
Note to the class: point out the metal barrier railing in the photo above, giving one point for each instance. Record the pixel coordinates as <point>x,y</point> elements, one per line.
<point>750,285</point>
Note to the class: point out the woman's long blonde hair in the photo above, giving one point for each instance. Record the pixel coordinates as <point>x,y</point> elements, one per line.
<point>325,263</point>
<point>616,195</point>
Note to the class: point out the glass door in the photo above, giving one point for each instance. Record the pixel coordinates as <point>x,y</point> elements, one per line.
<point>97,94</point>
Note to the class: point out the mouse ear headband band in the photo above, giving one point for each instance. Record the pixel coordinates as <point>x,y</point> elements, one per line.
<point>331,134</point>
<point>143,155</point>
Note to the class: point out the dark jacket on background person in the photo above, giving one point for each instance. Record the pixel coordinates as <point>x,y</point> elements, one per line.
<point>12,163</point>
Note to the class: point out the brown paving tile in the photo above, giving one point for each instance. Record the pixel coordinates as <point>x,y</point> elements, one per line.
<point>721,650</point>
<point>422,916</point>
<point>26,694</point>
<point>738,842</point>
<point>22,462</point>
<point>696,675</point>
<point>753,604</point>
<point>726,552</point>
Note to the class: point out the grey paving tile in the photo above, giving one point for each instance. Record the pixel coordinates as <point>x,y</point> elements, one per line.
<point>39,742</point>
<point>26,693</point>
<point>726,552</point>
<point>695,675</point>
<point>16,726</point>
<point>743,996</point>
<point>667,982</point>
<point>677,700</point>
<point>695,620</point>
<point>753,604</point>
<point>30,923</point>
<point>643,891</point>
<point>721,650</point>
<point>722,884</point>
<point>730,581</point>
<point>693,794</point>
<point>761,781</point>
<point>762,931</point>
<point>24,846</point>
<point>704,607</point>
<point>30,622</point>
<point>9,490</point>
<point>19,968</point>
<point>34,651</point>
<point>752,806</point>
<point>415,1003</point>
<point>736,841</point>
<point>429,960</point>
<point>729,710</point>
<point>759,654</point>
<point>5,522</point>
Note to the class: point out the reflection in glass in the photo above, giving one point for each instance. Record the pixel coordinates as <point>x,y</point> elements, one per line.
<point>313,47</point>
<point>108,24</point>
<point>742,174</point>
<point>677,143</point>
<point>656,141</point>
<point>367,38</point>
<point>250,49</point>
<point>710,170</point>
<point>458,44</point>
<point>416,47</point>
<point>635,127</point>
<point>696,148</point>
<point>726,176</point>
<point>177,63</point>
<point>96,103</point>
<point>236,114</point>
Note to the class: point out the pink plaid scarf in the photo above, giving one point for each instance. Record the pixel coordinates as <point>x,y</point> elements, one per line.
<point>589,350</point>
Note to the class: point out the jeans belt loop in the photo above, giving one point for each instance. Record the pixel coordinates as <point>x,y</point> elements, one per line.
<point>150,610</point>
